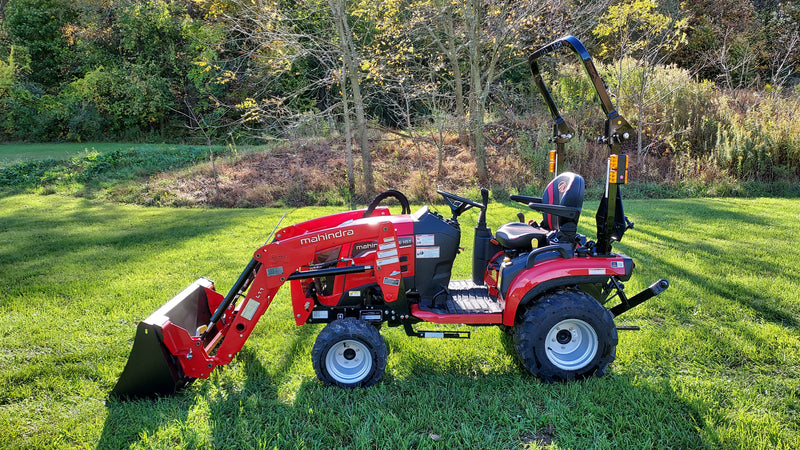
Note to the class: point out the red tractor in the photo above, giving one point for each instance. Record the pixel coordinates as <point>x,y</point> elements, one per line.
<point>544,283</point>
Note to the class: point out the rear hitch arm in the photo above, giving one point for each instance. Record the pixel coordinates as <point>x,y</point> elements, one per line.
<point>627,304</point>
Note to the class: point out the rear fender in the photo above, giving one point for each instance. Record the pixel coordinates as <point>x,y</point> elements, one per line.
<point>555,273</point>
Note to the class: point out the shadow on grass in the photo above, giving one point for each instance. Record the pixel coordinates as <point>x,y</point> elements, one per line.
<point>751,298</point>
<point>146,420</point>
<point>231,406</point>
<point>164,228</point>
<point>712,255</point>
<point>453,410</point>
<point>431,405</point>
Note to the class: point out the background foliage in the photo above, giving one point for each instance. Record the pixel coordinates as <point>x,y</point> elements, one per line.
<point>710,87</point>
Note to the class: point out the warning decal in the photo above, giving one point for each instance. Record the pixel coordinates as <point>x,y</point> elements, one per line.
<point>428,252</point>
<point>424,240</point>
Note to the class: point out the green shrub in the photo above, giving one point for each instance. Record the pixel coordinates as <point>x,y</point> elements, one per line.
<point>94,166</point>
<point>28,113</point>
<point>760,140</point>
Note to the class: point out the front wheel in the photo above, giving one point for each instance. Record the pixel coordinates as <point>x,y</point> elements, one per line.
<point>566,335</point>
<point>349,353</point>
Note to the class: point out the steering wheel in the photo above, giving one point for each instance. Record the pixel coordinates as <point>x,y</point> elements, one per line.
<point>406,208</point>
<point>458,204</point>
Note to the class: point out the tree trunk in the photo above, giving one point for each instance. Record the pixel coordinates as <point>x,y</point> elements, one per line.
<point>458,86</point>
<point>476,106</point>
<point>348,147</point>
<point>350,57</point>
<point>361,132</point>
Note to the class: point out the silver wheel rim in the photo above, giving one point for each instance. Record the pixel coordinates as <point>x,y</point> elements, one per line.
<point>348,361</point>
<point>571,344</point>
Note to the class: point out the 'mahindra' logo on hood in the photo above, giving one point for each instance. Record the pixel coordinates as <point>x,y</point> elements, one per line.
<point>325,236</point>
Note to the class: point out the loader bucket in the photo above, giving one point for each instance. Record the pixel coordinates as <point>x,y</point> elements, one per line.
<point>151,369</point>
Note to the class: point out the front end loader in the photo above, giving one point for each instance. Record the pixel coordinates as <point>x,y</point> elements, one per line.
<point>554,290</point>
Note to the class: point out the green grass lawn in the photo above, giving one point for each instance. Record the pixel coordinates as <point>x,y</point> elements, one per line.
<point>714,366</point>
<point>16,152</point>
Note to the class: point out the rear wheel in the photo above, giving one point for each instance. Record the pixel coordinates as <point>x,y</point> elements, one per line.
<point>349,353</point>
<point>566,335</point>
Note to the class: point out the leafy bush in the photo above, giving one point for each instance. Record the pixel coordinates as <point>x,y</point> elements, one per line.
<point>706,134</point>
<point>131,99</point>
<point>27,112</point>
<point>32,173</point>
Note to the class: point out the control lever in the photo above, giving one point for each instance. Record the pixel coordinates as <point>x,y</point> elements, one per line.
<point>628,224</point>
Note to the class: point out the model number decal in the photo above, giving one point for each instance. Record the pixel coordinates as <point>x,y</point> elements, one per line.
<point>391,281</point>
<point>272,271</point>
<point>387,254</point>
<point>385,261</point>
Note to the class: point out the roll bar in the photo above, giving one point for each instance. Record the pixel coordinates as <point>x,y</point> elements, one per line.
<point>610,217</point>
<point>617,129</point>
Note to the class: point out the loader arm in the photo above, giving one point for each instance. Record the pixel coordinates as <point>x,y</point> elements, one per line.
<point>173,345</point>
<point>280,261</point>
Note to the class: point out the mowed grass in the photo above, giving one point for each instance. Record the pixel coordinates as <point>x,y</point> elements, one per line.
<point>714,366</point>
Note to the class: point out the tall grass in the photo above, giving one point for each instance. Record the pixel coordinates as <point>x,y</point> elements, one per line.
<point>715,365</point>
<point>691,130</point>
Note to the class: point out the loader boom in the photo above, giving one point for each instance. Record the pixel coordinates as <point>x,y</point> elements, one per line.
<point>180,350</point>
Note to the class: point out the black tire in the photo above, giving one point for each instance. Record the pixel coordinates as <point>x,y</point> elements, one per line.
<point>349,353</point>
<point>566,335</point>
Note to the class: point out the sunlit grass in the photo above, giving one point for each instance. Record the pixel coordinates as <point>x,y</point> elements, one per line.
<point>715,364</point>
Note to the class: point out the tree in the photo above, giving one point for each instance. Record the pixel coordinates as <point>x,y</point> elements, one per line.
<point>37,26</point>
<point>484,40</point>
<point>723,36</point>
<point>296,58</point>
<point>351,90</point>
<point>494,35</point>
<point>783,38</point>
<point>635,30</point>
<point>10,70</point>
<point>436,21</point>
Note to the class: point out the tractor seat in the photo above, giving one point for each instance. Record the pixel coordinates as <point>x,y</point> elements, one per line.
<point>560,206</point>
<point>519,236</point>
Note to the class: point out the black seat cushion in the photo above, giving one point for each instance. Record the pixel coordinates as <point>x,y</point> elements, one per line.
<point>518,235</point>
